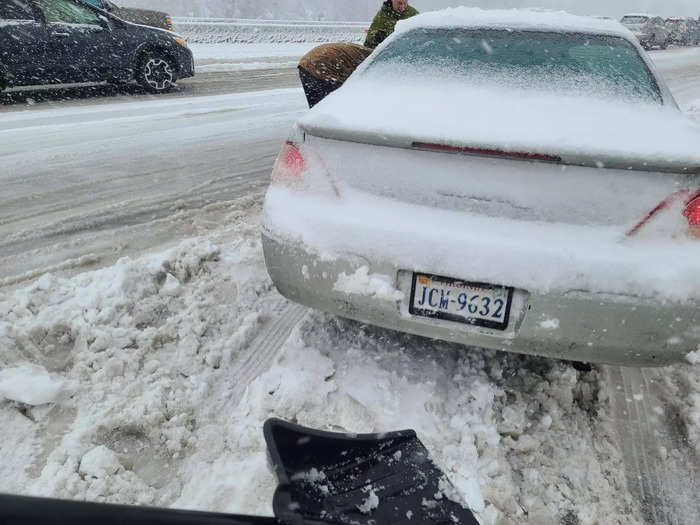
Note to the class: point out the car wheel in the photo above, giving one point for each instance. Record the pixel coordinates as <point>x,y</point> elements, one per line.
<point>156,73</point>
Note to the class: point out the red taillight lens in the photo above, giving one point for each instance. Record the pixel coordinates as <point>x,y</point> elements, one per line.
<point>301,169</point>
<point>289,166</point>
<point>692,212</point>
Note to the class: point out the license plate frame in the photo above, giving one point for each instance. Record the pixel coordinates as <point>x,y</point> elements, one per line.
<point>466,318</point>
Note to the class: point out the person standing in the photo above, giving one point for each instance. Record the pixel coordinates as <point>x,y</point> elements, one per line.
<point>385,21</point>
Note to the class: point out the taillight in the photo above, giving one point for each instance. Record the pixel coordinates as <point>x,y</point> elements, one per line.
<point>289,165</point>
<point>687,201</point>
<point>692,213</point>
<point>300,169</point>
<point>169,23</point>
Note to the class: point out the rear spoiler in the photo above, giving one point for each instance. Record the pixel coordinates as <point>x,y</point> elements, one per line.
<point>324,478</point>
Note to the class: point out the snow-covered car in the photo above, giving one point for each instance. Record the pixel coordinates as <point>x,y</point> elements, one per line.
<point>649,30</point>
<point>516,180</point>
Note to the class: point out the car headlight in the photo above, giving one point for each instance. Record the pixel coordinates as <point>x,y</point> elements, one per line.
<point>180,41</point>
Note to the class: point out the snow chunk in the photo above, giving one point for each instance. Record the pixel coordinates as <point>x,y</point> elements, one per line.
<point>370,503</point>
<point>29,384</point>
<point>171,287</point>
<point>694,357</point>
<point>100,462</point>
<point>550,324</point>
<point>372,285</point>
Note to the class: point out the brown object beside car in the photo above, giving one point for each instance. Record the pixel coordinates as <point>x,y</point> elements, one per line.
<point>326,67</point>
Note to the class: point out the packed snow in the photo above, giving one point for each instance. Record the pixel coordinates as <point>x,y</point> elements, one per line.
<point>147,352</point>
<point>561,257</point>
<point>373,104</point>
<point>372,285</point>
<point>28,384</point>
<point>536,19</point>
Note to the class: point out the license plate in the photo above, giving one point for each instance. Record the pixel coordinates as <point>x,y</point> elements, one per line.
<point>451,299</point>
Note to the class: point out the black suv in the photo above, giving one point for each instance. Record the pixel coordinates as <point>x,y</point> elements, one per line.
<point>68,41</point>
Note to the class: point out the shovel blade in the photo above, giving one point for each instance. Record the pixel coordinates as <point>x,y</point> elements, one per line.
<point>370,479</point>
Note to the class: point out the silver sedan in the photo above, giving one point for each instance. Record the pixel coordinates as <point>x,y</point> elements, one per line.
<point>515,180</point>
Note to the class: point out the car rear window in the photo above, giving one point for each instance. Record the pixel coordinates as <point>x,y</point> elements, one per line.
<point>591,64</point>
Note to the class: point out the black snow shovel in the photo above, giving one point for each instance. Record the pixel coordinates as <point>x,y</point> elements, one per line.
<point>324,478</point>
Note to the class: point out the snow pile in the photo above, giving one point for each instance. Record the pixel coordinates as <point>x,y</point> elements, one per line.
<point>255,32</point>
<point>136,346</point>
<point>150,353</point>
<point>520,438</point>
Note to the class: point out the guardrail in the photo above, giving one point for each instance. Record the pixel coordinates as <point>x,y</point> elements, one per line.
<point>227,30</point>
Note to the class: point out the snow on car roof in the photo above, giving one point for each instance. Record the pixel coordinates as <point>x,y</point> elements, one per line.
<point>533,19</point>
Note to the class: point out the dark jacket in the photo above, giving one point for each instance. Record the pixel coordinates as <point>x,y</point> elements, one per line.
<point>385,22</point>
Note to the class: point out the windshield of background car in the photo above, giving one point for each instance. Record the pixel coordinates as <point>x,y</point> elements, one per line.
<point>593,65</point>
<point>635,19</point>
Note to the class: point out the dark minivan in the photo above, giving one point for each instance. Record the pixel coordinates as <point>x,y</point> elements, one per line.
<point>68,41</point>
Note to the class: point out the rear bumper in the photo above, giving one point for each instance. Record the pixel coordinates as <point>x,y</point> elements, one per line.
<point>580,293</point>
<point>577,326</point>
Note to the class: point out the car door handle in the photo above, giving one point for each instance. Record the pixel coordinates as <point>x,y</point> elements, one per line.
<point>60,35</point>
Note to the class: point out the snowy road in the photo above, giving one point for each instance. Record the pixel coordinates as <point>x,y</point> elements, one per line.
<point>160,369</point>
<point>111,179</point>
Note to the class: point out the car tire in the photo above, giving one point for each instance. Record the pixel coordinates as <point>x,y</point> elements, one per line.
<point>155,72</point>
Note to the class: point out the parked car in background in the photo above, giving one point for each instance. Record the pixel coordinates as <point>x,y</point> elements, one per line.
<point>682,32</point>
<point>146,17</point>
<point>67,41</point>
<point>650,30</point>
<point>488,178</point>
<point>692,32</point>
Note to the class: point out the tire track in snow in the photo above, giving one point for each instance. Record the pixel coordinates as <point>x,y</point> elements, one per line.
<point>265,347</point>
<point>662,473</point>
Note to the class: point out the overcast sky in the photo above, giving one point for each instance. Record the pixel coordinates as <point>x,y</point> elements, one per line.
<point>614,8</point>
